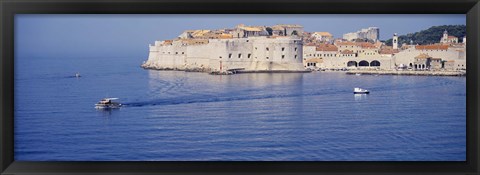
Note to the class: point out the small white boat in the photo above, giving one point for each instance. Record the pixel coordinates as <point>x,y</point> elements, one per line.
<point>360,91</point>
<point>77,75</point>
<point>358,74</point>
<point>108,103</point>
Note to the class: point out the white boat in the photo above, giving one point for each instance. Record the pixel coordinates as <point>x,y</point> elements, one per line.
<point>108,103</point>
<point>77,75</point>
<point>358,74</point>
<point>360,91</point>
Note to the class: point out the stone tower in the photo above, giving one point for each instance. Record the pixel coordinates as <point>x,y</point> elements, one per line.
<point>395,41</point>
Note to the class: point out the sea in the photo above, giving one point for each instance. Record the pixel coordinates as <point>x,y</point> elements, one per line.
<point>191,116</point>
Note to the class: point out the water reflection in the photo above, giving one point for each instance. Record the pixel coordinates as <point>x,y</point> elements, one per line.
<point>360,97</point>
<point>193,85</point>
<point>107,111</point>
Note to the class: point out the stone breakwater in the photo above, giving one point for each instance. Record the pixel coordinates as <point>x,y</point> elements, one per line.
<point>153,67</point>
<point>408,72</point>
<point>225,72</point>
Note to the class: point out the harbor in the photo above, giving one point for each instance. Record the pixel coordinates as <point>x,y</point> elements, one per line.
<point>407,72</point>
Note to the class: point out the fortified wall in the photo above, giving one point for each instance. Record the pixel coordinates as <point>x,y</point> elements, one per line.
<point>261,53</point>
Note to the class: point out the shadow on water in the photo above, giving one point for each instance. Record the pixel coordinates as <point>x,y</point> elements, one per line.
<point>107,112</point>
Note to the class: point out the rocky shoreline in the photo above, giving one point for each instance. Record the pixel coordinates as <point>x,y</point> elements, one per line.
<point>144,66</point>
<point>206,70</point>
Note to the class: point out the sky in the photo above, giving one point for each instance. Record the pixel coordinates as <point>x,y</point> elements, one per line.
<point>126,35</point>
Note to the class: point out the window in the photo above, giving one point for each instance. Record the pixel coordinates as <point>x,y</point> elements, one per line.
<point>183,53</point>
<point>283,56</point>
<point>247,41</point>
<point>176,53</point>
<point>295,56</point>
<point>295,49</point>
<point>255,48</point>
<point>249,55</point>
<point>268,49</point>
<point>267,58</point>
<point>239,55</point>
<point>283,48</point>
<point>229,55</point>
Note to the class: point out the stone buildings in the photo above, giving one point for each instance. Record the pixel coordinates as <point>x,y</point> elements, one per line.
<point>371,33</point>
<point>282,48</point>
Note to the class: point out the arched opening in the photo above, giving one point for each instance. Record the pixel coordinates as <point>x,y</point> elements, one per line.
<point>363,63</point>
<point>416,66</point>
<point>352,64</point>
<point>411,65</point>
<point>375,63</point>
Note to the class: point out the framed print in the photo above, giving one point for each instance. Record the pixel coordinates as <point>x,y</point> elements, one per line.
<point>271,87</point>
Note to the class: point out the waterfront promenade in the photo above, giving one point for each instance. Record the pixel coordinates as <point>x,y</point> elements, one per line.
<point>408,72</point>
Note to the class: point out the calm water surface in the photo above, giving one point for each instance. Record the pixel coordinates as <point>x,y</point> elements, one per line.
<point>173,115</point>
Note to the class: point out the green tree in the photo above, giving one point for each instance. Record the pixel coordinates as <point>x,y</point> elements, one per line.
<point>295,33</point>
<point>431,35</point>
<point>269,30</point>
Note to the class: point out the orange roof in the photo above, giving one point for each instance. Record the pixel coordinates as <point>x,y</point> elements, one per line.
<point>432,47</point>
<point>347,52</point>
<point>347,43</point>
<point>226,36</point>
<point>365,45</point>
<point>252,29</point>
<point>314,60</point>
<point>327,47</point>
<point>323,33</point>
<point>168,42</point>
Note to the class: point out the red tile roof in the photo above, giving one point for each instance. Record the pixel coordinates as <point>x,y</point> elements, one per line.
<point>347,52</point>
<point>432,47</point>
<point>327,47</point>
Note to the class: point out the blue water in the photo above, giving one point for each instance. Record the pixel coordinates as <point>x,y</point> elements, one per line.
<point>172,115</point>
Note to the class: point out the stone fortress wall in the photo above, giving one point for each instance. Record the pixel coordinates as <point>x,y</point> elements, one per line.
<point>251,54</point>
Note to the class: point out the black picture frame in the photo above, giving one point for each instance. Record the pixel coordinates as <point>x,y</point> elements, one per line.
<point>8,9</point>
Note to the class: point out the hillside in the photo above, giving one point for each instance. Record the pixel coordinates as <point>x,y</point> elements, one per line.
<point>431,35</point>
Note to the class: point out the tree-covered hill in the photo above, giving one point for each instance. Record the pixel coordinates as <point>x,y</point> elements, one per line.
<point>431,35</point>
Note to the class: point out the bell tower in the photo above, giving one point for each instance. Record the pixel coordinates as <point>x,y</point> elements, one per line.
<point>395,41</point>
<point>445,37</point>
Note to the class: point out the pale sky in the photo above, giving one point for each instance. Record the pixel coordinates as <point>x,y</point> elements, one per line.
<point>129,35</point>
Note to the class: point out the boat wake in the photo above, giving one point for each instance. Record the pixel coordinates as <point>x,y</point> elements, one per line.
<point>220,98</point>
